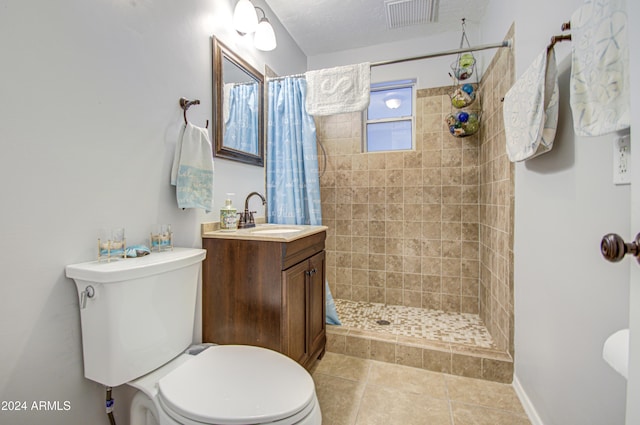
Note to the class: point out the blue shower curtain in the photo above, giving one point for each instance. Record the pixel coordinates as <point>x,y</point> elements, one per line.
<point>293,184</point>
<point>241,120</point>
<point>293,187</point>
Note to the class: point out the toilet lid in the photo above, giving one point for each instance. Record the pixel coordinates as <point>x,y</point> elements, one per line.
<point>237,384</point>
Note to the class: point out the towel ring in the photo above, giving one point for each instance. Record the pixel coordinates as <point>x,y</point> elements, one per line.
<point>185,104</point>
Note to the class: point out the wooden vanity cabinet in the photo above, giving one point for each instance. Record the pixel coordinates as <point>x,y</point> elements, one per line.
<point>266,293</point>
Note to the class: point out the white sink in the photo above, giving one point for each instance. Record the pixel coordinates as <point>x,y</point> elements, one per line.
<point>267,232</point>
<point>274,231</point>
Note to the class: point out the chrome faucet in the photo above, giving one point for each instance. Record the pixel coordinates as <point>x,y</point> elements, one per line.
<point>246,218</point>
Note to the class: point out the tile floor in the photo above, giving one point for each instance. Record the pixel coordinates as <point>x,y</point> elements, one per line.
<point>434,325</point>
<point>355,391</point>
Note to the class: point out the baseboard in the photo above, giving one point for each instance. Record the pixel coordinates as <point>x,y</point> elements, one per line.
<point>529,409</point>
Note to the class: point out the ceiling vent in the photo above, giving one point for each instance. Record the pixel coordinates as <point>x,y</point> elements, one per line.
<point>404,13</point>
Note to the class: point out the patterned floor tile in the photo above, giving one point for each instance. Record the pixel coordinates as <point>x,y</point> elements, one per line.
<point>434,325</point>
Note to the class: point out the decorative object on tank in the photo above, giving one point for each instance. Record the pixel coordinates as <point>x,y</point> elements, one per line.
<point>161,237</point>
<point>111,243</point>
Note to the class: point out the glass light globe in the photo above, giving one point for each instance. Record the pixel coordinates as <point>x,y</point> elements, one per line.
<point>245,18</point>
<point>264,38</point>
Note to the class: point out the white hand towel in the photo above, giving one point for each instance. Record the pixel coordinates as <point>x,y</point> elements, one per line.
<point>176,157</point>
<point>600,68</point>
<point>192,171</point>
<point>530,109</point>
<point>338,90</point>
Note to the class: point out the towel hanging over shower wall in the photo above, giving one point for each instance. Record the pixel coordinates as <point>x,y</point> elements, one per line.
<point>338,90</point>
<point>531,109</point>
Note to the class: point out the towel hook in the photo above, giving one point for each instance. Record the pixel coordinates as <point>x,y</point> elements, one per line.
<point>185,104</point>
<point>558,38</point>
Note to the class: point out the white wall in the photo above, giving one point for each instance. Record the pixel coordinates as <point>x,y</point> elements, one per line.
<point>568,300</point>
<point>88,123</point>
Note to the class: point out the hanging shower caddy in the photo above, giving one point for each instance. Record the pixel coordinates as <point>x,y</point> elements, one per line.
<point>466,109</point>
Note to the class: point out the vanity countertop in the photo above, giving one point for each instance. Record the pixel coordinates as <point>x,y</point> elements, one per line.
<point>262,232</point>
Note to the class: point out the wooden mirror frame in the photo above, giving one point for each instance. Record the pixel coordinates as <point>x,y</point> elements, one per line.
<point>220,53</point>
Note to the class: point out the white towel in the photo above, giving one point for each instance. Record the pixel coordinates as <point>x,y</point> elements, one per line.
<point>530,109</point>
<point>338,90</point>
<point>192,171</point>
<point>600,68</point>
<point>226,101</point>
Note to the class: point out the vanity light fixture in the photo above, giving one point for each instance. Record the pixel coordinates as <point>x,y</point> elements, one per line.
<point>245,18</point>
<point>265,38</point>
<point>245,21</point>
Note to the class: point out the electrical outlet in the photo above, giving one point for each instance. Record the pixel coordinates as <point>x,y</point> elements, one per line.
<point>622,160</point>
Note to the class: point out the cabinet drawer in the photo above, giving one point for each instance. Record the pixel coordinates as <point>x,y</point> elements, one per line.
<point>301,249</point>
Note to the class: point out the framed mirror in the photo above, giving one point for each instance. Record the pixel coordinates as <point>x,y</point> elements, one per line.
<point>238,98</point>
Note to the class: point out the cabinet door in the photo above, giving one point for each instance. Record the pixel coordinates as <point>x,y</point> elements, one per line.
<point>295,312</point>
<point>317,305</point>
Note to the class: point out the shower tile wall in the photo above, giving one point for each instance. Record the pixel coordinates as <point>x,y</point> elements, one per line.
<point>496,205</point>
<point>430,228</point>
<point>404,225</point>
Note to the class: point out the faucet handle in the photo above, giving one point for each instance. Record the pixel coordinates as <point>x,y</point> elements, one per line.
<point>251,219</point>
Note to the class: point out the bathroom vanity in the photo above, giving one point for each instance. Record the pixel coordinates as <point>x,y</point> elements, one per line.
<point>266,287</point>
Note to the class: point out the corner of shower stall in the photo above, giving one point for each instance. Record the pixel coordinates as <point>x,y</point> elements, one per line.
<point>423,239</point>
<point>453,343</point>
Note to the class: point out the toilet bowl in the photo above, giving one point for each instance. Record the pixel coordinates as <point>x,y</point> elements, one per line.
<point>137,318</point>
<point>224,385</point>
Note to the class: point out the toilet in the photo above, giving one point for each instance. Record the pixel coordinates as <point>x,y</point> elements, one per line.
<point>137,318</point>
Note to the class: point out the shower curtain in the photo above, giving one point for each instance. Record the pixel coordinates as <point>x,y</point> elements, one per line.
<point>293,184</point>
<point>241,117</point>
<point>293,187</point>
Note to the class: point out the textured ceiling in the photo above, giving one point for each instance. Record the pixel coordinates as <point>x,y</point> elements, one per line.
<point>325,26</point>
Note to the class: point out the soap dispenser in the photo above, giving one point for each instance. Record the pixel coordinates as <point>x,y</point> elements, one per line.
<point>228,215</point>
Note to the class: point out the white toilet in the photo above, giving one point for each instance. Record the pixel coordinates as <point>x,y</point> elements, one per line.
<point>137,321</point>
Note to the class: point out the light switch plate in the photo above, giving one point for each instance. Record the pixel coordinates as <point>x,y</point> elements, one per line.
<point>622,160</point>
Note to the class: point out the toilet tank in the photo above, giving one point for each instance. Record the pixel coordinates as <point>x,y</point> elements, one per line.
<point>141,314</point>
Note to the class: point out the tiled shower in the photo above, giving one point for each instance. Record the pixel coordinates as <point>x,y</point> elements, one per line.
<point>425,229</point>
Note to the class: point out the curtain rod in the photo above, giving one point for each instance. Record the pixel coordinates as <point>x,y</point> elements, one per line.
<point>506,43</point>
<point>285,76</point>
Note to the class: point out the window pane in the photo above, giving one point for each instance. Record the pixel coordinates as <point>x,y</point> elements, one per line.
<point>388,136</point>
<point>390,103</point>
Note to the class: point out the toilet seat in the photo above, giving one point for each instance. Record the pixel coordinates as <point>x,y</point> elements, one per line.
<point>233,384</point>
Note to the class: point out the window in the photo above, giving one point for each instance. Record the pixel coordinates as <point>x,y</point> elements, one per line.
<point>389,120</point>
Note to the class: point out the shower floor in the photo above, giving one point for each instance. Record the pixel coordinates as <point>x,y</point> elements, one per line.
<point>434,325</point>
<point>455,343</point>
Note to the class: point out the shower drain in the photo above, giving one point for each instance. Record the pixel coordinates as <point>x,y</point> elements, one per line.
<point>383,322</point>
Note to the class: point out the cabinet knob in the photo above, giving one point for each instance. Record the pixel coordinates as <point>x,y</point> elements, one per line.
<point>311,272</point>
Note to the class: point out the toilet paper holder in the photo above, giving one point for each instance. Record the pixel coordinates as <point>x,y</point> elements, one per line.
<point>614,248</point>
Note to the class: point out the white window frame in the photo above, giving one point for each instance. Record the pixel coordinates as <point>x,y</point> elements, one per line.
<point>391,85</point>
